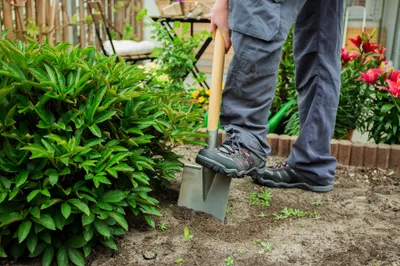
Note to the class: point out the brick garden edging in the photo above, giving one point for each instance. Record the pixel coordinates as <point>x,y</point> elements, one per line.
<point>346,152</point>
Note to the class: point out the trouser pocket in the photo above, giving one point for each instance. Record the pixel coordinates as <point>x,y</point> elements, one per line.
<point>256,18</point>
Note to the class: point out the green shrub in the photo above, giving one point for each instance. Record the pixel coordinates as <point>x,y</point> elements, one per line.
<point>82,137</point>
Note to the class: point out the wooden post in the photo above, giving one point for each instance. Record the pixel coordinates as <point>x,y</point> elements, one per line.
<point>19,18</point>
<point>51,22</point>
<point>82,32</point>
<point>110,15</point>
<point>41,18</point>
<point>29,10</point>
<point>57,23</point>
<point>65,20</point>
<point>7,14</point>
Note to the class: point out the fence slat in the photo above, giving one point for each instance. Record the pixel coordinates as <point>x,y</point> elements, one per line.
<point>19,20</point>
<point>52,20</point>
<point>57,23</point>
<point>41,18</point>
<point>7,13</point>
<point>82,10</point>
<point>65,20</point>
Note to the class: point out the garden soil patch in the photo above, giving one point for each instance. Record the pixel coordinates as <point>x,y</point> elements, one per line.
<point>359,225</point>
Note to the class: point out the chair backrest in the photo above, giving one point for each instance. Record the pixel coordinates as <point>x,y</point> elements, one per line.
<point>99,18</point>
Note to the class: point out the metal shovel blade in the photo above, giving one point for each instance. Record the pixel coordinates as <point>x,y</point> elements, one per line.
<point>191,194</point>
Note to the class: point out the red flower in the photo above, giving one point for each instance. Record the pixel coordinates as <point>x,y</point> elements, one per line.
<point>193,101</point>
<point>371,76</point>
<point>357,42</point>
<point>346,57</point>
<point>369,47</point>
<point>394,87</point>
<point>394,84</point>
<point>381,50</point>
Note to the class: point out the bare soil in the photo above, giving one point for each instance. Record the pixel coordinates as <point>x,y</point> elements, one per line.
<point>359,225</point>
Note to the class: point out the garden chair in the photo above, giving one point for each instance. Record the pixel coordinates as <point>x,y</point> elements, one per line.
<point>130,51</point>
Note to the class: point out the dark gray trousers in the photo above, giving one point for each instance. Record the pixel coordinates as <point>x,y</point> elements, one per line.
<point>259,29</point>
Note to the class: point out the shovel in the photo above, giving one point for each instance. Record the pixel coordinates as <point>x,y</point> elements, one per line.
<point>201,188</point>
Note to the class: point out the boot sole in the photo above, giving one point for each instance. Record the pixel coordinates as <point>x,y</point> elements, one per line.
<point>305,186</point>
<point>221,169</point>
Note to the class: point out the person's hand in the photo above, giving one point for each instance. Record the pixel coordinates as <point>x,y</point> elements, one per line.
<point>219,19</point>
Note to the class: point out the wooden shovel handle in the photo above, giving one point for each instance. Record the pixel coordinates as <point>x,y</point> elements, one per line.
<point>216,82</point>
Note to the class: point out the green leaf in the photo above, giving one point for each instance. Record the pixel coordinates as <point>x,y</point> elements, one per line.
<point>101,179</point>
<point>104,116</point>
<point>48,256</point>
<point>24,230</point>
<point>76,241</point>
<point>59,220</point>
<point>2,253</point>
<point>87,250</point>
<point>35,212</point>
<point>87,219</point>
<point>386,108</point>
<point>45,235</point>
<point>45,220</point>
<point>150,221</point>
<point>119,219</point>
<point>10,218</point>
<point>88,233</point>
<point>80,205</point>
<point>102,228</point>
<point>21,178</point>
<point>40,248</point>
<point>113,196</point>
<point>76,257</point>
<point>66,210</point>
<point>110,244</point>
<point>31,242</point>
<point>95,130</point>
<point>13,193</point>
<point>32,195</point>
<point>49,203</point>
<point>62,256</point>
<point>53,178</point>
<point>45,192</point>
<point>97,100</point>
<point>4,91</point>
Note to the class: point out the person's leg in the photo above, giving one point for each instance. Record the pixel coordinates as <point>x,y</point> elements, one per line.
<point>259,29</point>
<point>317,40</point>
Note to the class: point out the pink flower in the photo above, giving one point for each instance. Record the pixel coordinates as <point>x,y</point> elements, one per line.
<point>394,88</point>
<point>346,57</point>
<point>357,42</point>
<point>371,76</point>
<point>369,47</point>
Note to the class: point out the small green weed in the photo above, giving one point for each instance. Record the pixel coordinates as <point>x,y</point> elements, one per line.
<point>229,261</point>
<point>228,211</point>
<point>162,227</point>
<point>260,198</point>
<point>242,250</point>
<point>188,236</point>
<point>317,203</point>
<point>289,212</point>
<point>267,246</point>
<point>262,214</point>
<point>179,261</point>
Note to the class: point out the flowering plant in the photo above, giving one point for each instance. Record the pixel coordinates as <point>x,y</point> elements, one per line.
<point>201,97</point>
<point>384,122</point>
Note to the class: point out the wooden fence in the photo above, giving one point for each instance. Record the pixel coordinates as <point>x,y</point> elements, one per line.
<point>66,20</point>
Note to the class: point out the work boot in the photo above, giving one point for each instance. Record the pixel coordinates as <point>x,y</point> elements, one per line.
<point>230,159</point>
<point>285,176</point>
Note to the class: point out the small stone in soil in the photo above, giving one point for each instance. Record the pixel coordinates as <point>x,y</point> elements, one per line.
<point>149,255</point>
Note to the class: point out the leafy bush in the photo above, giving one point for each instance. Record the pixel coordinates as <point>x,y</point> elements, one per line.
<point>82,137</point>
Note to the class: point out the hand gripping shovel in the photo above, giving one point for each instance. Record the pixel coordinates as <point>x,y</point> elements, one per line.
<point>202,189</point>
